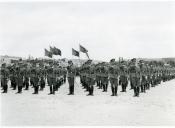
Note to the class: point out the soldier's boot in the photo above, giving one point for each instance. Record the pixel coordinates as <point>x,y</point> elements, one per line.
<point>92,90</point>
<point>36,90</point>
<point>23,85</point>
<point>112,88</point>
<point>5,89</point>
<point>135,91</point>
<point>87,87</point>
<point>138,91</point>
<point>89,91</point>
<point>50,89</point>
<point>115,91</point>
<point>101,85</point>
<point>125,88</point>
<point>122,88</point>
<point>131,86</point>
<point>144,88</point>
<point>72,92</point>
<point>148,86</point>
<point>20,89</point>
<point>26,86</point>
<point>104,87</point>
<point>53,91</point>
<point>14,87</point>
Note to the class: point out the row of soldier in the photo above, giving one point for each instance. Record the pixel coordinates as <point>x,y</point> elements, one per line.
<point>140,75</point>
<point>36,75</point>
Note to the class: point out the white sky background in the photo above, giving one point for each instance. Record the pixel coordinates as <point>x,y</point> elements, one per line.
<point>107,29</point>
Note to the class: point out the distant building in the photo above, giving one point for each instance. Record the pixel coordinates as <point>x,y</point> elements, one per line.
<point>8,59</point>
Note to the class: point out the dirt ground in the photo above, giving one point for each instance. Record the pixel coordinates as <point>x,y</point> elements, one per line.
<point>156,107</point>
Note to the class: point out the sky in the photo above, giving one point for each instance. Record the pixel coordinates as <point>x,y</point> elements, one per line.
<point>107,29</point>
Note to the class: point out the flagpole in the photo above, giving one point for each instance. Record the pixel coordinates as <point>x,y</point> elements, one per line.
<point>79,55</point>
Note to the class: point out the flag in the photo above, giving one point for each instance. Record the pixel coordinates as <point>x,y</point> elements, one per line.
<point>55,51</point>
<point>75,53</point>
<point>83,49</point>
<point>48,53</point>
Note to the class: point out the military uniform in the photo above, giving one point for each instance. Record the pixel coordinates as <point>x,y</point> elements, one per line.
<point>13,78</point>
<point>90,79</point>
<point>19,79</point>
<point>113,78</point>
<point>123,79</point>
<point>26,78</point>
<point>134,72</point>
<point>104,78</point>
<point>143,77</point>
<point>4,78</point>
<point>51,77</point>
<point>71,77</point>
<point>42,78</point>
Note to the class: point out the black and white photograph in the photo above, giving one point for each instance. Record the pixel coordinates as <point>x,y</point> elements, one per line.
<point>87,63</point>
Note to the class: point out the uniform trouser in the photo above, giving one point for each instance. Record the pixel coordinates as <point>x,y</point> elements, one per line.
<point>5,88</point>
<point>13,84</point>
<point>147,85</point>
<point>91,89</point>
<point>114,86</point>
<point>64,79</point>
<point>19,89</point>
<point>42,85</point>
<point>101,84</point>
<point>26,84</point>
<point>71,85</point>
<point>143,87</point>
<point>131,84</point>
<point>124,85</point>
<point>86,86</point>
<point>105,87</point>
<point>31,83</point>
<point>136,91</point>
<point>58,84</point>
<point>98,83</point>
<point>71,89</point>
<point>136,83</point>
<point>52,89</point>
<point>123,82</point>
<point>105,84</point>
<point>36,87</point>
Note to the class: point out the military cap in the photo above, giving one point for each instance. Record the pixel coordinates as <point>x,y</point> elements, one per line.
<point>4,65</point>
<point>133,60</point>
<point>112,60</point>
<point>70,62</point>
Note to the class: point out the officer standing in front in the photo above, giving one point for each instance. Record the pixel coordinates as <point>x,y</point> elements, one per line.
<point>71,77</point>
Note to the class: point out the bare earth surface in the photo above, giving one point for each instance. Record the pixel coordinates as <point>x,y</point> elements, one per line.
<point>156,107</point>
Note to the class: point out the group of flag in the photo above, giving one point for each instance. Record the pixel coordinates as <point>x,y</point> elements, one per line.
<point>81,49</point>
<point>56,51</point>
<point>52,51</point>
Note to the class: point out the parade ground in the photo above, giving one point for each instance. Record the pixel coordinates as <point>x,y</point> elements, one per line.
<point>156,107</point>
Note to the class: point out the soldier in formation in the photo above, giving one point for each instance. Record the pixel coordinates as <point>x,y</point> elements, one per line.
<point>141,75</point>
<point>71,77</point>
